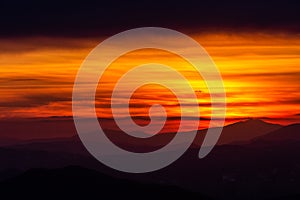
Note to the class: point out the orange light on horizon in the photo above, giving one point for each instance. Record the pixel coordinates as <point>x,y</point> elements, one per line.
<point>260,71</point>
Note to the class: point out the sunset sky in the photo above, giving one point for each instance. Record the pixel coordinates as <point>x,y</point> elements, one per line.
<point>259,66</point>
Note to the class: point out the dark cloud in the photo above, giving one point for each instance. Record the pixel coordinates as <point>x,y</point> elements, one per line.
<point>35,100</point>
<point>83,18</point>
<point>287,101</point>
<point>146,118</point>
<point>20,82</point>
<point>279,76</point>
<point>39,43</point>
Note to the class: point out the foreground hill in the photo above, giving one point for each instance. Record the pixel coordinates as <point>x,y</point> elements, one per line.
<point>77,182</point>
<point>267,167</point>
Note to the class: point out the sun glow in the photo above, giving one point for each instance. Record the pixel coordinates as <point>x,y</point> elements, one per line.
<point>260,71</point>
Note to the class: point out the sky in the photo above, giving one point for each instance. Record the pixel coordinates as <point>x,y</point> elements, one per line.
<point>255,45</point>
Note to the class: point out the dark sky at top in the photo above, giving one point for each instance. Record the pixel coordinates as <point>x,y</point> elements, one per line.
<point>83,18</point>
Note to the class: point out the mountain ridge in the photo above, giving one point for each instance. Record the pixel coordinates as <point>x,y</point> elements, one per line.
<point>242,131</point>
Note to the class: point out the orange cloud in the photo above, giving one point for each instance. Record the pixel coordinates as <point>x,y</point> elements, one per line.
<point>260,71</point>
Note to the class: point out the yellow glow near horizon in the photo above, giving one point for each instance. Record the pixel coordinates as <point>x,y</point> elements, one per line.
<point>260,71</point>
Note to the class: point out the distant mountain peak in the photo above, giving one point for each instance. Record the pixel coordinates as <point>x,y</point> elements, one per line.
<point>246,130</point>
<point>255,121</point>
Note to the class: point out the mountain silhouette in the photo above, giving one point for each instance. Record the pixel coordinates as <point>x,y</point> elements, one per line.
<point>257,169</point>
<point>243,131</point>
<point>77,182</point>
<point>288,133</point>
<point>246,130</point>
<point>29,129</point>
<point>239,132</point>
<point>5,141</point>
